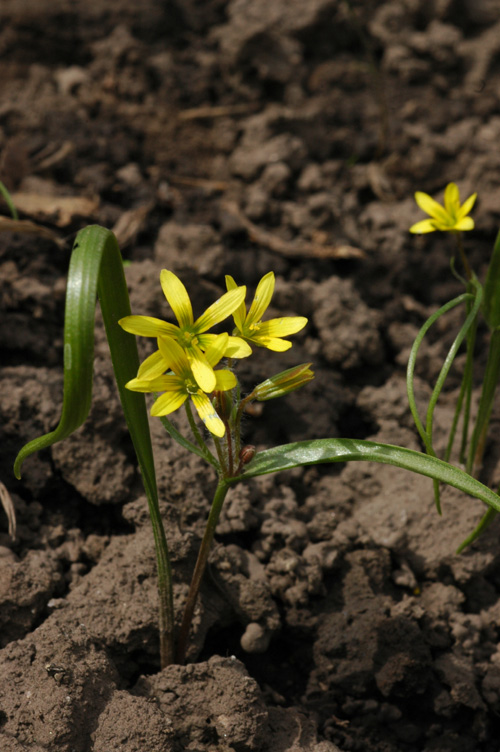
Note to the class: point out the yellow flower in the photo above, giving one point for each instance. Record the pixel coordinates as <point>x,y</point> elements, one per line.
<point>181,384</point>
<point>190,335</point>
<point>250,326</point>
<point>450,217</point>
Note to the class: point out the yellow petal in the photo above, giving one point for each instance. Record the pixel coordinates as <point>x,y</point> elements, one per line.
<point>282,327</point>
<point>467,223</point>
<point>273,343</point>
<point>426,225</point>
<point>147,326</point>
<point>467,206</point>
<point>177,296</point>
<point>239,314</point>
<point>202,371</point>
<point>207,413</point>
<point>236,347</point>
<point>429,206</point>
<point>225,380</point>
<point>153,366</point>
<point>452,199</point>
<point>260,303</point>
<point>220,310</point>
<point>216,349</point>
<point>174,355</point>
<point>160,384</point>
<point>167,403</point>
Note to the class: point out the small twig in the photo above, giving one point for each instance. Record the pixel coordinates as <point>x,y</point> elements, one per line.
<point>206,111</point>
<point>8,505</point>
<point>291,249</point>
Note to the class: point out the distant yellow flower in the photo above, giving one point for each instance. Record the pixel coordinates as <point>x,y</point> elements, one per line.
<point>181,384</point>
<point>251,328</point>
<point>450,217</point>
<point>190,335</point>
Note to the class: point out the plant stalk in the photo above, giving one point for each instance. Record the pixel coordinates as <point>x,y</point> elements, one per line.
<point>201,563</point>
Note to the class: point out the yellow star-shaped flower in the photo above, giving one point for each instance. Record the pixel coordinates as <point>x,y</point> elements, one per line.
<point>451,216</point>
<point>182,385</point>
<point>190,335</point>
<point>251,328</point>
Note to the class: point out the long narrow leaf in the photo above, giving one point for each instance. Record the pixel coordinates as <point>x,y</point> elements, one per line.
<point>491,308</point>
<point>426,433</point>
<point>319,451</point>
<point>96,268</point>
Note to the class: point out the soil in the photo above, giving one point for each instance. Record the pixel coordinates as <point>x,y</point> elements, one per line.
<point>240,136</point>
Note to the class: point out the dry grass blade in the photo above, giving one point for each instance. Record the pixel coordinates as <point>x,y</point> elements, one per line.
<point>207,111</point>
<point>26,227</point>
<point>8,505</point>
<point>58,210</point>
<point>131,224</point>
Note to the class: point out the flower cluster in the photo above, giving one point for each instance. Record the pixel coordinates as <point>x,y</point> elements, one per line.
<point>184,365</point>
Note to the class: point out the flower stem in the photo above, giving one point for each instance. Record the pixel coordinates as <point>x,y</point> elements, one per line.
<point>213,517</point>
<point>463,257</point>
<point>197,435</point>
<point>165,595</point>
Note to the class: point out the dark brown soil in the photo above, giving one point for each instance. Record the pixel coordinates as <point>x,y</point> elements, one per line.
<point>239,136</point>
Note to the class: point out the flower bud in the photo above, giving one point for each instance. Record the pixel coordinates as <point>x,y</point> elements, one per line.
<point>283,383</point>
<point>247,454</point>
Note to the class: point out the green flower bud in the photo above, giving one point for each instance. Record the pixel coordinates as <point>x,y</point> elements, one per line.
<point>283,383</point>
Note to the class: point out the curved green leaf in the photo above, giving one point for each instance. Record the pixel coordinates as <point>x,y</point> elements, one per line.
<point>319,451</point>
<point>96,269</point>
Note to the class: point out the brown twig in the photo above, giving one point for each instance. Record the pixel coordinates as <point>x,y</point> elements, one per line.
<point>295,248</point>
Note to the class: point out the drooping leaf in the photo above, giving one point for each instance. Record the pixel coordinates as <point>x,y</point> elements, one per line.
<point>319,451</point>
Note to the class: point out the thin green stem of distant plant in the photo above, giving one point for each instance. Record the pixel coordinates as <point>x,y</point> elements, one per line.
<point>427,431</point>
<point>463,257</point>
<point>8,200</point>
<point>490,383</point>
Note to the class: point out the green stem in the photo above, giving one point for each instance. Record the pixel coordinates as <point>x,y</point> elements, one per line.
<point>463,257</point>
<point>166,603</point>
<point>491,378</point>
<point>207,454</point>
<point>220,455</point>
<point>484,523</point>
<point>201,563</point>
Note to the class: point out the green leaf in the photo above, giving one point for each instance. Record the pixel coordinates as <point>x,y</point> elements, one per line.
<point>96,268</point>
<point>319,451</point>
<point>491,306</point>
<point>490,383</point>
<point>8,200</point>
<point>426,433</point>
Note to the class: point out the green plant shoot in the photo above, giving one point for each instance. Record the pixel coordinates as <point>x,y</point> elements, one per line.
<point>479,301</point>
<point>193,367</point>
